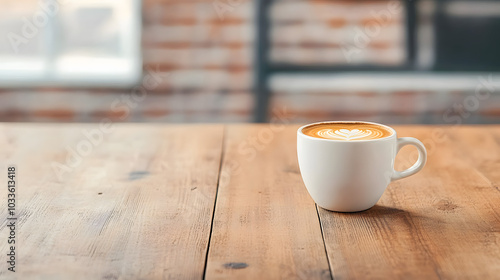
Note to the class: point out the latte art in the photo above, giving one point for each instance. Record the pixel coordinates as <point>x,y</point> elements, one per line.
<point>344,134</point>
<point>347,131</point>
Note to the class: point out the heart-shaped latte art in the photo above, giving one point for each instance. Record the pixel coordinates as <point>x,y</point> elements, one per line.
<point>344,134</point>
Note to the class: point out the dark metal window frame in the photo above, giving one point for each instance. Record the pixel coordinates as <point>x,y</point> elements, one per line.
<point>264,68</point>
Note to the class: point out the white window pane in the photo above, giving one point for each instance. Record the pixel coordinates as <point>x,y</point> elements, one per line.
<point>22,28</point>
<point>90,30</point>
<point>22,44</point>
<point>98,41</point>
<point>70,42</point>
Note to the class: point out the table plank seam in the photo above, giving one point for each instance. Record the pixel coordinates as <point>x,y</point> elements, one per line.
<point>324,243</point>
<point>223,151</point>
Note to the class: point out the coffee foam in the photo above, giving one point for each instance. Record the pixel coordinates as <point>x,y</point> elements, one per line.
<point>347,131</point>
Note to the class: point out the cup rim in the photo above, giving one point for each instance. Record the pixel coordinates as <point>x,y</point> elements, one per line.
<point>393,135</point>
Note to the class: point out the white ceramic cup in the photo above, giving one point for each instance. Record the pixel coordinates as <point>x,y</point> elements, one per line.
<point>351,176</point>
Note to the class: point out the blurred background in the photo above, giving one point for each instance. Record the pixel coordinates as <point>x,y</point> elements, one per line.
<point>420,61</point>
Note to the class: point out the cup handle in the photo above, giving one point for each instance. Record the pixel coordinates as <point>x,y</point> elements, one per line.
<point>422,158</point>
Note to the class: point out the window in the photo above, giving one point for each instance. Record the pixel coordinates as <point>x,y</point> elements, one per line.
<point>70,43</point>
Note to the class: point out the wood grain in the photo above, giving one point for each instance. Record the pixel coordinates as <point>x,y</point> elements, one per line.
<point>265,224</point>
<point>441,223</point>
<point>480,147</point>
<point>138,206</point>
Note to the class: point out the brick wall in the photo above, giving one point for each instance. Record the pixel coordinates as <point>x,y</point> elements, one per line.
<point>337,32</point>
<point>204,48</point>
<point>204,59</point>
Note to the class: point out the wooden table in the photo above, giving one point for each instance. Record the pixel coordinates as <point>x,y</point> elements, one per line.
<point>152,201</point>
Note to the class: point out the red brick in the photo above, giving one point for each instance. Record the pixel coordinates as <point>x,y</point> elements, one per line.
<point>170,45</point>
<point>337,22</point>
<point>164,67</point>
<point>381,45</point>
<point>179,21</point>
<point>13,115</point>
<point>367,22</point>
<point>112,115</point>
<point>227,21</point>
<point>491,112</point>
<point>56,114</point>
<point>404,93</point>
<point>155,113</point>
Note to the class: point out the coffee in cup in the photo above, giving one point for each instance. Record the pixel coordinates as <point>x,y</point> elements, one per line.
<point>347,131</point>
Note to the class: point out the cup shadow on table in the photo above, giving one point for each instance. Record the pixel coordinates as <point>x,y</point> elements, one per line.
<point>375,211</point>
<point>393,213</point>
<point>378,212</point>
